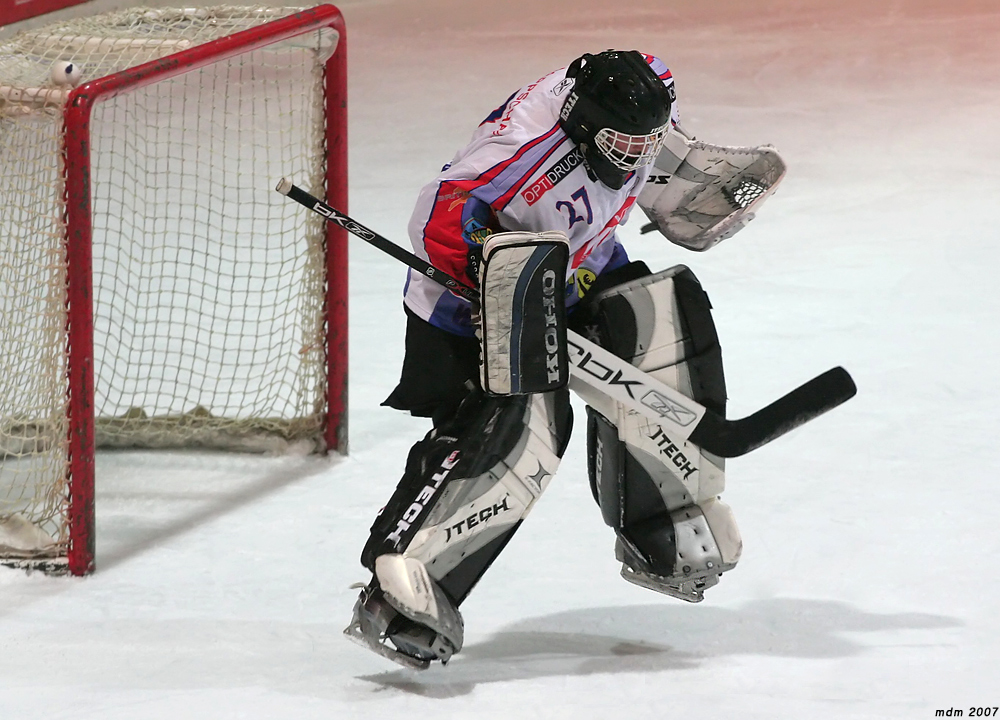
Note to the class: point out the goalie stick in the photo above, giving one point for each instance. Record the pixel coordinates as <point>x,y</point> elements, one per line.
<point>592,365</point>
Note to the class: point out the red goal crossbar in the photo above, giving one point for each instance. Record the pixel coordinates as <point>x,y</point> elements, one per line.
<point>12,11</point>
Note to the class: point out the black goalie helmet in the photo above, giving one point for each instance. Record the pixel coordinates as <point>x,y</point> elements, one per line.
<point>618,112</point>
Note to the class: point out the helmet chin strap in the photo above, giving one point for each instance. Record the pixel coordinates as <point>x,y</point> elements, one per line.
<point>585,151</point>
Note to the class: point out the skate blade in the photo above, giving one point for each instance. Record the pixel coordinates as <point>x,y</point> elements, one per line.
<point>692,591</point>
<point>356,635</point>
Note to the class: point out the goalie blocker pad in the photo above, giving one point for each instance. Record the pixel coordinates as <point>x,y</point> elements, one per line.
<point>700,194</point>
<point>523,313</point>
<point>660,493</point>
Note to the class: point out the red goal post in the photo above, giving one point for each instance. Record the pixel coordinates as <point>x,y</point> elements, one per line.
<point>323,393</point>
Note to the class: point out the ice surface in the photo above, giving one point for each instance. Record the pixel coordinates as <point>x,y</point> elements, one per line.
<point>868,586</point>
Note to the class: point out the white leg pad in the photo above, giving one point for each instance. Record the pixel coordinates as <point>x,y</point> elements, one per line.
<point>725,532</point>
<point>658,492</point>
<point>471,512</point>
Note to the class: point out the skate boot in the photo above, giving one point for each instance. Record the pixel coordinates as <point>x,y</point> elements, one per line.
<point>700,560</point>
<point>404,616</point>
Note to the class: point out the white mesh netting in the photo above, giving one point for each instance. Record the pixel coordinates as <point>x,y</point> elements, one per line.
<point>208,286</point>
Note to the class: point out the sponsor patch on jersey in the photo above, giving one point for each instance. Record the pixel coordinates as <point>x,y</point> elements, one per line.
<point>553,176</point>
<point>582,280</point>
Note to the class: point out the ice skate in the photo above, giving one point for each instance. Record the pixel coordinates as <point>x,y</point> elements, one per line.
<point>404,616</point>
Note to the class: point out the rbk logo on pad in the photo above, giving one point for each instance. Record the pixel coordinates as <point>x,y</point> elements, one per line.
<point>668,408</point>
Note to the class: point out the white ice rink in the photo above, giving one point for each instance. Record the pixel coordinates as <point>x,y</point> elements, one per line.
<point>869,584</point>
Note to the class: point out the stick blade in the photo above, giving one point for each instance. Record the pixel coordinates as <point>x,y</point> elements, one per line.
<point>732,438</point>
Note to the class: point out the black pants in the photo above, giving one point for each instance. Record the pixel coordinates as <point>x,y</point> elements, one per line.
<point>439,370</point>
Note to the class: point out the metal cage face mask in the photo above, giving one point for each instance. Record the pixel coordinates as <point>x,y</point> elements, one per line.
<point>630,152</point>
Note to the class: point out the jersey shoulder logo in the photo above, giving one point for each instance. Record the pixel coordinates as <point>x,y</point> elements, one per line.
<point>560,88</point>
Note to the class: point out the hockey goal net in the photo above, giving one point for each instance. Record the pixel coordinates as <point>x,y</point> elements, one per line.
<point>154,290</point>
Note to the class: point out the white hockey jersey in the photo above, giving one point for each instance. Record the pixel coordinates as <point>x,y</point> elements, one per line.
<point>521,169</point>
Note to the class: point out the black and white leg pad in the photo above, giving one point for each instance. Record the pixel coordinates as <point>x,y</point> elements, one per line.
<point>659,493</point>
<point>523,314</point>
<point>466,489</point>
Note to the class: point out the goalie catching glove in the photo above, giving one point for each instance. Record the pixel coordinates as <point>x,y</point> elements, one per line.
<point>700,194</point>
